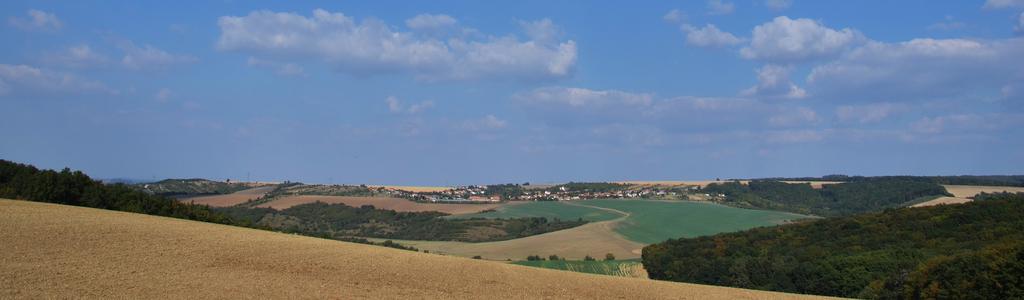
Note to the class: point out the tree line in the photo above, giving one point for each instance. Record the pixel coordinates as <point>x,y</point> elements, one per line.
<point>25,182</point>
<point>973,250</point>
<point>858,196</point>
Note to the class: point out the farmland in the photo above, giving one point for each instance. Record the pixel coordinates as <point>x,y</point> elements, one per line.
<point>964,193</point>
<point>641,222</point>
<point>651,221</point>
<point>623,268</point>
<point>396,204</point>
<point>231,199</point>
<point>550,210</point>
<point>59,251</point>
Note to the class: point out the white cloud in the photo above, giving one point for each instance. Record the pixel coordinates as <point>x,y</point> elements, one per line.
<point>788,40</point>
<point>870,113</point>
<point>778,4</point>
<point>37,20</point>
<point>28,79</point>
<point>80,56</point>
<point>709,36</point>
<point>372,47</point>
<point>920,69</point>
<point>583,98</point>
<point>431,23</point>
<point>489,122</point>
<point>674,16</point>
<point>997,4</point>
<point>719,7</point>
<point>283,69</point>
<point>773,82</point>
<point>396,106</point>
<point>543,31</point>
<point>148,57</point>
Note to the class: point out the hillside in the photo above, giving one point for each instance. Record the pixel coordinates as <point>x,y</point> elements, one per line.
<point>194,186</point>
<point>58,251</point>
<point>945,251</point>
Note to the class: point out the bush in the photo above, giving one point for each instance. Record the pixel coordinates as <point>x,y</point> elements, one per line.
<point>554,257</point>
<point>609,257</point>
<point>588,258</point>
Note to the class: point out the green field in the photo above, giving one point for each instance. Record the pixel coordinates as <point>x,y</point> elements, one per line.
<point>547,209</point>
<point>653,221</point>
<point>625,268</point>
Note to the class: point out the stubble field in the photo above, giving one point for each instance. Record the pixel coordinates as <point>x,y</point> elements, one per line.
<point>57,251</point>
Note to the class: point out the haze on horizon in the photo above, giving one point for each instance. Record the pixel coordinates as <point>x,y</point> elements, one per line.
<point>465,92</point>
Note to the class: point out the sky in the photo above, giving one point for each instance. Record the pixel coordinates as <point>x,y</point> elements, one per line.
<point>475,92</point>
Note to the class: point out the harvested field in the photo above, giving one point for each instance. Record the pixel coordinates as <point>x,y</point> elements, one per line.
<point>230,199</point>
<point>964,193</point>
<point>594,239</point>
<point>942,200</point>
<point>396,204</point>
<point>57,251</point>
<point>968,191</point>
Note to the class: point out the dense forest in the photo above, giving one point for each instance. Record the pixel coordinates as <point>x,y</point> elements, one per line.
<point>973,250</point>
<point>25,182</point>
<point>858,196</point>
<point>340,221</point>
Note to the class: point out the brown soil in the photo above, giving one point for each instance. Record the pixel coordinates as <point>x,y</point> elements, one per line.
<point>231,199</point>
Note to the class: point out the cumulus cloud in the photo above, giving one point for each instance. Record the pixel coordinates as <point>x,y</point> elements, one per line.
<point>795,40</point>
<point>998,4</point>
<point>372,47</point>
<point>719,7</point>
<point>583,98</point>
<point>773,82</point>
<point>674,16</point>
<point>778,4</point>
<point>920,69</point>
<point>79,56</point>
<point>37,20</point>
<point>29,79</point>
<point>396,106</point>
<point>709,36</point>
<point>431,23</point>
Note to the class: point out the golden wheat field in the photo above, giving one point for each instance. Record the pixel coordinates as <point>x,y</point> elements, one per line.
<point>57,251</point>
<point>964,193</point>
<point>396,204</point>
<point>573,243</point>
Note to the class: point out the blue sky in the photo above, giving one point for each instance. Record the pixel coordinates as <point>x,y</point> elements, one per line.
<point>464,92</point>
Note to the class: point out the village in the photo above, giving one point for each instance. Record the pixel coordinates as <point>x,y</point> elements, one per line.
<point>565,192</point>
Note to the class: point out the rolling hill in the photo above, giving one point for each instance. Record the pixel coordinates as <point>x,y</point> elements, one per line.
<point>58,251</point>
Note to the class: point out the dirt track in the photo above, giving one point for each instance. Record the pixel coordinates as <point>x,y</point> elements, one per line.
<point>55,251</point>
